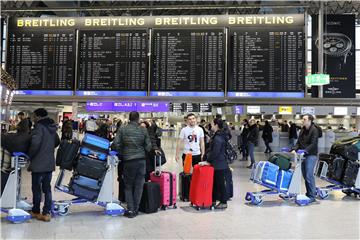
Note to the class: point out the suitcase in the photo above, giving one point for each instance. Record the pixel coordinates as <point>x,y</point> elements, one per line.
<point>90,167</point>
<point>281,160</point>
<point>328,158</point>
<point>184,191</point>
<point>167,181</point>
<point>266,172</point>
<point>283,180</point>
<point>84,187</point>
<point>351,173</point>
<point>341,147</point>
<point>93,152</point>
<point>336,169</point>
<point>229,183</point>
<point>150,199</point>
<point>201,186</point>
<point>96,141</point>
<point>66,154</point>
<point>188,163</point>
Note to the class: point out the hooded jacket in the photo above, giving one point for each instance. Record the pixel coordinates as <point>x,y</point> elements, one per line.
<point>44,140</point>
<point>216,153</point>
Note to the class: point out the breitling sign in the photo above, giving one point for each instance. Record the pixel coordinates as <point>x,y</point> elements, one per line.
<point>159,21</point>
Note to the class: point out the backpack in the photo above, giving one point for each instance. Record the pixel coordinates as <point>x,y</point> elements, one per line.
<point>319,130</point>
<point>230,153</point>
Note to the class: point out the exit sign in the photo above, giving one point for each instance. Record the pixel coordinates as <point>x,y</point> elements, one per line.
<point>317,79</point>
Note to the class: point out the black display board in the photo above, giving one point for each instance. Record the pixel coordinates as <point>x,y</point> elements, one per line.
<point>42,59</point>
<point>113,60</point>
<point>188,60</point>
<point>339,55</point>
<point>190,107</point>
<point>266,60</point>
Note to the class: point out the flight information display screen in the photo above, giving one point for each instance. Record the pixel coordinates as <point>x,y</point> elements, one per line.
<point>42,61</point>
<point>266,62</point>
<point>188,62</point>
<point>112,60</point>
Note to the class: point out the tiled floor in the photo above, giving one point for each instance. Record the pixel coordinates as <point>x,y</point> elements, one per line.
<point>335,218</point>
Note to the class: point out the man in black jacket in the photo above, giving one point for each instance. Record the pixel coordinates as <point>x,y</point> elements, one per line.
<point>252,140</point>
<point>308,140</point>
<point>44,140</point>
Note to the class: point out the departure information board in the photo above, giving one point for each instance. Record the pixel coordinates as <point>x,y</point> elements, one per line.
<point>112,60</point>
<point>188,62</point>
<point>266,62</point>
<point>42,60</point>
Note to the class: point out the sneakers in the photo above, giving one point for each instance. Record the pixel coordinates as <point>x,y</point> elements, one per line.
<point>221,206</point>
<point>41,217</point>
<point>250,166</point>
<point>130,214</point>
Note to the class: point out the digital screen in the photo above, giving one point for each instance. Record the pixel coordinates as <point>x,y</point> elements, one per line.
<point>308,110</point>
<point>253,109</point>
<point>342,111</point>
<point>127,106</point>
<point>188,62</point>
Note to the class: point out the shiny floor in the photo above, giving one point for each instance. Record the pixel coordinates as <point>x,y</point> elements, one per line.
<point>334,218</point>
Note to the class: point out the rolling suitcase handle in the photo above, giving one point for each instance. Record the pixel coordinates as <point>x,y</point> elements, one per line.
<point>157,168</point>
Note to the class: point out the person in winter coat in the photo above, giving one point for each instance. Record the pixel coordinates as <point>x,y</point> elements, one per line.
<point>44,140</point>
<point>267,136</point>
<point>252,140</point>
<point>216,156</point>
<point>244,135</point>
<point>66,130</point>
<point>292,134</point>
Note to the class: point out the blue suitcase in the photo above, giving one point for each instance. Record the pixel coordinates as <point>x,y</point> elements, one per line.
<point>269,173</point>
<point>93,153</point>
<point>84,187</point>
<point>96,141</point>
<point>284,179</point>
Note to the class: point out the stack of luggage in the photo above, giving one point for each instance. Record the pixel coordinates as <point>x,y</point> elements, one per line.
<point>275,173</point>
<point>90,168</point>
<point>343,161</point>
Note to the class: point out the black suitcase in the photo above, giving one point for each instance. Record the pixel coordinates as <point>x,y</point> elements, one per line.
<point>66,154</point>
<point>150,199</point>
<point>344,148</point>
<point>89,167</point>
<point>229,183</point>
<point>84,187</point>
<point>328,158</point>
<point>185,180</point>
<point>351,173</point>
<point>336,169</point>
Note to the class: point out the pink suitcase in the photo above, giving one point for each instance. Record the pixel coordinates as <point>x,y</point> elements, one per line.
<point>167,181</point>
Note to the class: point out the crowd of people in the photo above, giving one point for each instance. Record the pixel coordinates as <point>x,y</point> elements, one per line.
<point>139,141</point>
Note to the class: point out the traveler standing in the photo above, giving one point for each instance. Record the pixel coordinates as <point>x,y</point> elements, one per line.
<point>132,142</point>
<point>308,141</point>
<point>244,135</point>
<point>66,129</point>
<point>91,126</point>
<point>292,134</point>
<point>216,156</point>
<point>192,136</point>
<point>267,136</point>
<point>252,140</point>
<point>44,140</point>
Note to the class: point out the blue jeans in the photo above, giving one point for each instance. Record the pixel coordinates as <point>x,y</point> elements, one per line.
<point>134,179</point>
<point>41,181</point>
<point>307,169</point>
<point>251,147</point>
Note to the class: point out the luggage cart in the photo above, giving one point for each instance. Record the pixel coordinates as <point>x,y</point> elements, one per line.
<point>294,190</point>
<point>323,192</point>
<point>11,201</point>
<point>105,198</point>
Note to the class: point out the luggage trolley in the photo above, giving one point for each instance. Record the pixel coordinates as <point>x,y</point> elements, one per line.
<point>11,201</point>
<point>321,171</point>
<point>294,190</point>
<point>104,199</point>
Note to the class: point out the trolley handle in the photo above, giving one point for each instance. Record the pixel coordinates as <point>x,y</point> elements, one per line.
<point>20,154</point>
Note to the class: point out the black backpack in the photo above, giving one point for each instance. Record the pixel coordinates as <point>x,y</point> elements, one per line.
<point>319,130</point>
<point>230,152</point>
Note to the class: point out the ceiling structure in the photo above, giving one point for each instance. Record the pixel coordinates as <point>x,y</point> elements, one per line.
<point>145,8</point>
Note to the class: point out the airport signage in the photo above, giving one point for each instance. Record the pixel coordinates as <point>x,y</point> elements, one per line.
<point>317,79</point>
<point>285,110</point>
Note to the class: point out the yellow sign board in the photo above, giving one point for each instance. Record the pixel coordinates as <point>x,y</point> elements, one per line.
<point>285,110</point>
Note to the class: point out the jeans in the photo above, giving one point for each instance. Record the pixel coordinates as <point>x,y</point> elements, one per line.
<point>268,148</point>
<point>251,147</point>
<point>219,189</point>
<point>292,142</point>
<point>307,168</point>
<point>195,159</point>
<point>244,150</point>
<point>134,179</point>
<point>41,181</point>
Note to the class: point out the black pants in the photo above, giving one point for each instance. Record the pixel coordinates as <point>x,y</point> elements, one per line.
<point>134,179</point>
<point>41,181</point>
<point>219,190</point>
<point>121,181</point>
<point>195,159</point>
<point>267,144</point>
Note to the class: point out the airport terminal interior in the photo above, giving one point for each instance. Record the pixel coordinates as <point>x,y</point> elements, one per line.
<point>263,95</point>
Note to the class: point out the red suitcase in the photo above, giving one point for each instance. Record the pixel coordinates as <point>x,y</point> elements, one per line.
<point>201,186</point>
<point>167,181</point>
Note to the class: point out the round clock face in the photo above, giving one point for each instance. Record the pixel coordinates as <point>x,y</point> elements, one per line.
<point>335,45</point>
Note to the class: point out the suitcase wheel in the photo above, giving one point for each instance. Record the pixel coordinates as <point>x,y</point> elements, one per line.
<point>61,209</point>
<point>212,207</point>
<point>175,207</point>
<point>197,208</point>
<point>163,207</point>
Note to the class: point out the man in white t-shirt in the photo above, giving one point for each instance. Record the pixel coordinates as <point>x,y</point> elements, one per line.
<point>192,136</point>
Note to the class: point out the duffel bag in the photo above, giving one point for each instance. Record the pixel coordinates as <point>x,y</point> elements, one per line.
<point>336,169</point>
<point>66,153</point>
<point>351,173</point>
<point>281,160</point>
